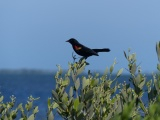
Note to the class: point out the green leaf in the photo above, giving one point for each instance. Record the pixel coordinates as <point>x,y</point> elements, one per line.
<point>137,80</point>
<point>31,117</point>
<point>111,69</point>
<point>142,84</point>
<point>14,115</point>
<point>73,76</point>
<point>71,92</point>
<point>63,106</point>
<point>50,116</point>
<point>35,110</point>
<point>133,68</point>
<point>143,106</point>
<point>158,67</point>
<point>20,106</point>
<point>156,85</point>
<point>80,116</point>
<point>65,82</point>
<point>152,109</point>
<point>55,96</point>
<point>77,84</point>
<point>55,105</point>
<point>76,104</point>
<point>65,98</point>
<point>94,82</point>
<point>80,70</point>
<point>88,95</point>
<point>5,118</point>
<point>1,98</point>
<point>130,57</point>
<point>149,83</point>
<point>49,102</point>
<point>80,107</point>
<point>28,106</point>
<point>69,72</point>
<point>134,56</point>
<point>106,85</point>
<point>59,69</point>
<point>91,112</point>
<point>106,71</point>
<point>118,105</point>
<point>119,72</point>
<point>85,82</point>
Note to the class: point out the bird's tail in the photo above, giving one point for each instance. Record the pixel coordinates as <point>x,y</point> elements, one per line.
<point>102,50</point>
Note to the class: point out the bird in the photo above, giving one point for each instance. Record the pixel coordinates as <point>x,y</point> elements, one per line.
<point>83,50</point>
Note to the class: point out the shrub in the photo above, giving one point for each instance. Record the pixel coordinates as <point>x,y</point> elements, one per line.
<point>102,97</point>
<point>96,96</point>
<point>8,110</point>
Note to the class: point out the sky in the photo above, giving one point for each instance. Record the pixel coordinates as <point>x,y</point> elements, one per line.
<point>33,32</point>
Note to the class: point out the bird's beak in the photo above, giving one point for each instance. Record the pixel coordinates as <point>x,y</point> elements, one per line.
<point>67,41</point>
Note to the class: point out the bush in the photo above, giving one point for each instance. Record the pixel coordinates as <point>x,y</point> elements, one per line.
<point>8,110</point>
<point>100,97</point>
<point>96,96</point>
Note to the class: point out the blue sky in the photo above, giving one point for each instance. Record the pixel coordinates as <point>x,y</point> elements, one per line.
<point>33,32</point>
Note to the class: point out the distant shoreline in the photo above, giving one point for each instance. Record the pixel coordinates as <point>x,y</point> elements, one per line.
<point>26,71</point>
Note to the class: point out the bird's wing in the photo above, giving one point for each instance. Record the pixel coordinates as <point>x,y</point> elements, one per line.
<point>88,51</point>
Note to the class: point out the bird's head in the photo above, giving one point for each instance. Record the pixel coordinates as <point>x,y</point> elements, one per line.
<point>72,41</point>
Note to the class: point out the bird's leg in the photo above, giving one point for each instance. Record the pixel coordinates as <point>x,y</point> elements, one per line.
<point>82,59</point>
<point>74,57</point>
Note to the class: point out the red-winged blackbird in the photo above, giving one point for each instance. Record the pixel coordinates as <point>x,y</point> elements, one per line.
<point>83,50</point>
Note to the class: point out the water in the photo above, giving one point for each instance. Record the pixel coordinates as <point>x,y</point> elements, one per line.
<point>37,84</point>
<point>22,85</point>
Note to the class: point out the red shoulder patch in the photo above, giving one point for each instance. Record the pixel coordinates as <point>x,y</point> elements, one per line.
<point>77,47</point>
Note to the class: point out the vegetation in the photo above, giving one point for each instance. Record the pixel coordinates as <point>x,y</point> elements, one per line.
<point>96,96</point>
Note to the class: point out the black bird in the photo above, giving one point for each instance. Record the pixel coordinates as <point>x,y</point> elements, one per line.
<point>83,50</point>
